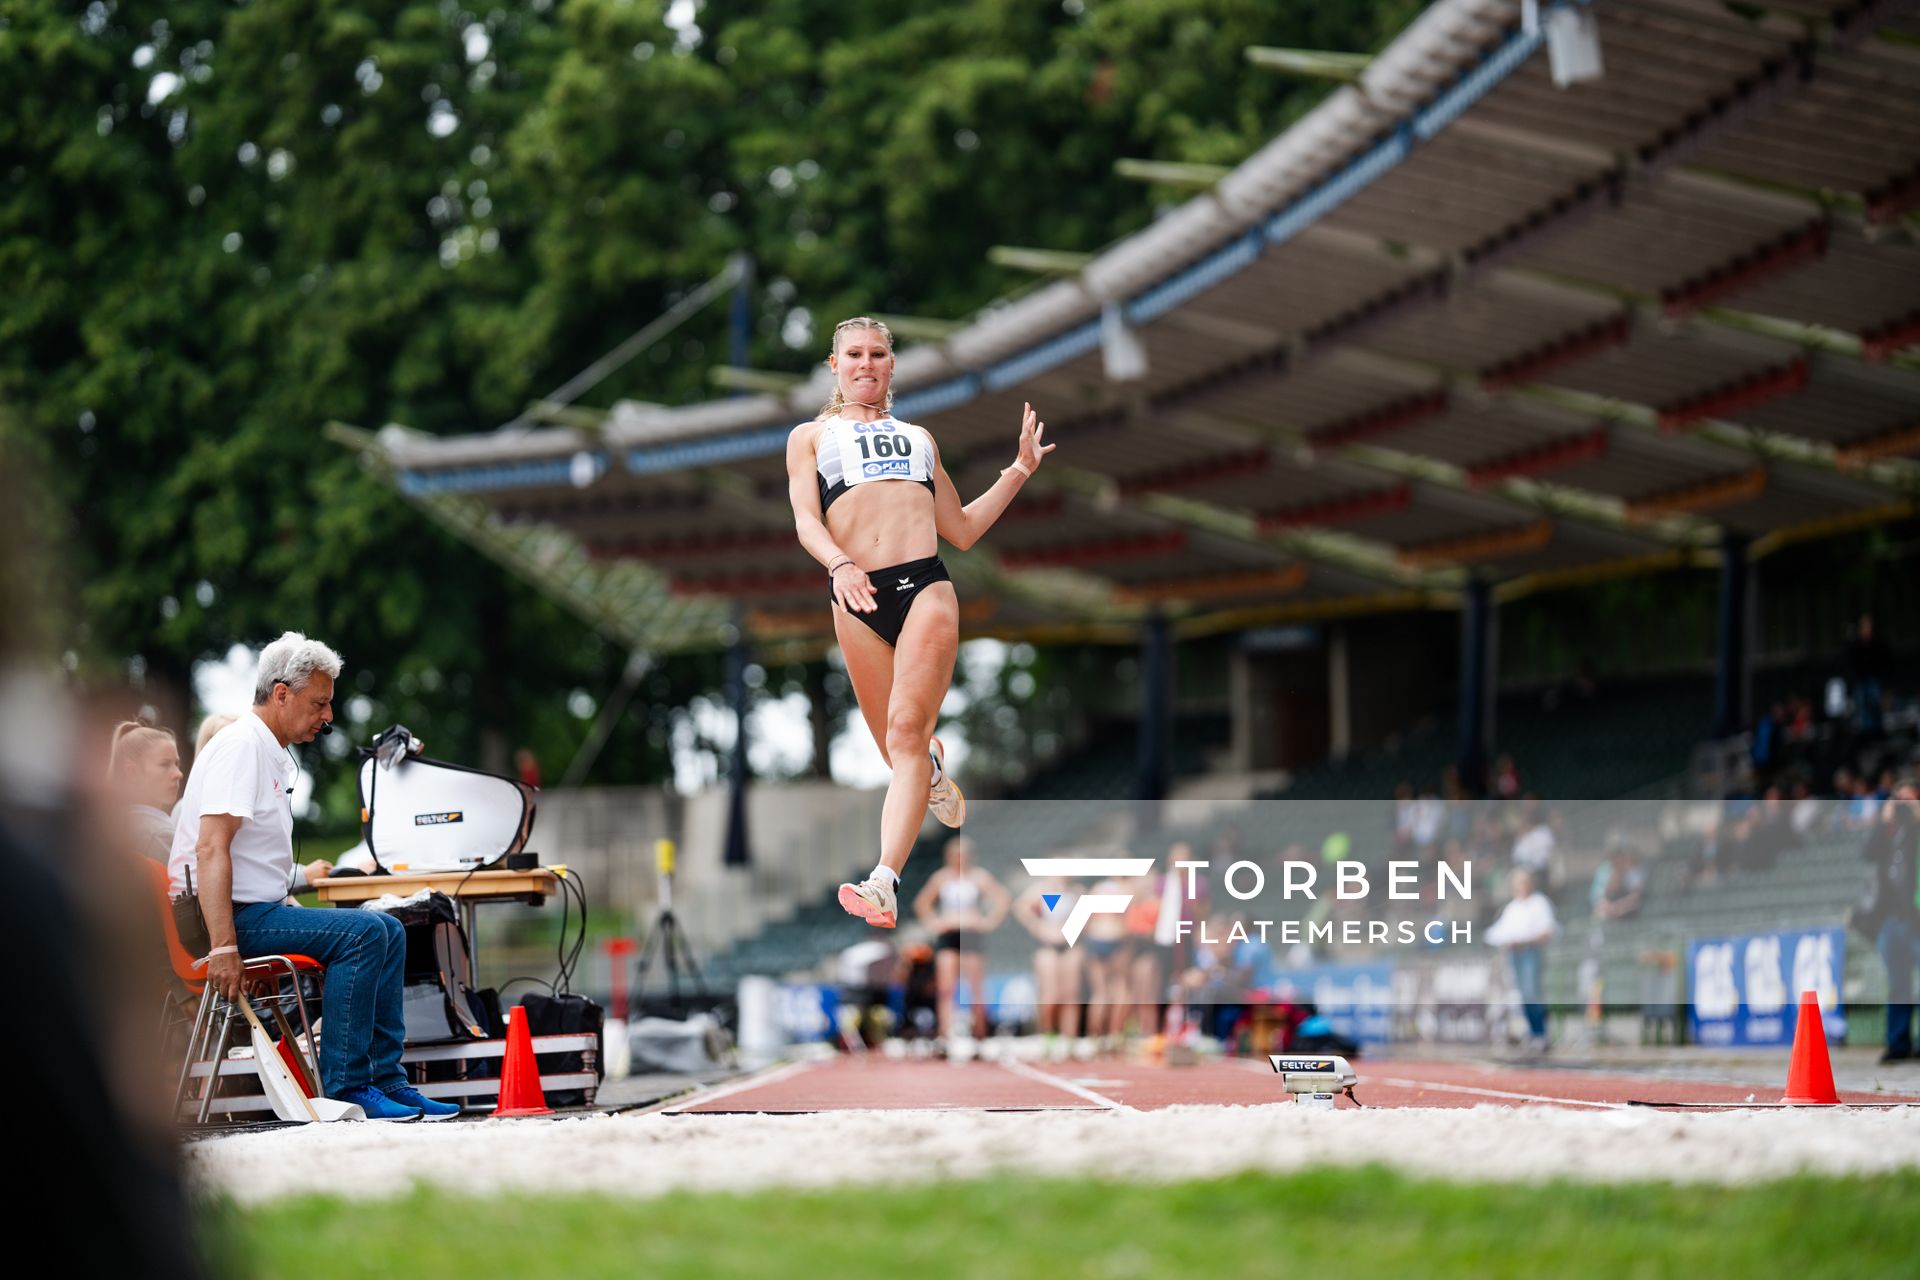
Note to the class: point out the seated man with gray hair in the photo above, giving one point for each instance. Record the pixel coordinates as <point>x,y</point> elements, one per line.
<point>234,845</point>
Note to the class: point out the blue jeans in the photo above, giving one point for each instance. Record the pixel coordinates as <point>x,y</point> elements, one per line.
<point>1896,950</point>
<point>365,953</point>
<point>1526,976</point>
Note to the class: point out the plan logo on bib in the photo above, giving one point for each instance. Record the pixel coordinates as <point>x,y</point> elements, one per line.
<point>1089,905</point>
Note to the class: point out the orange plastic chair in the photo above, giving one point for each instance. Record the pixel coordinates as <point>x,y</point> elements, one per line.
<point>211,1007</point>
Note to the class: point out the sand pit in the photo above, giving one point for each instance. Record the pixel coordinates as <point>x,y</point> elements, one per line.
<point>651,1154</point>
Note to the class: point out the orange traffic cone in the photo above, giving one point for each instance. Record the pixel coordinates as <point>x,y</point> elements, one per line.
<point>1810,1077</point>
<point>520,1093</point>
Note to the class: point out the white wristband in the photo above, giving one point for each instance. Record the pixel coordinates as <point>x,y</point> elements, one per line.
<point>223,951</point>
<point>1020,467</point>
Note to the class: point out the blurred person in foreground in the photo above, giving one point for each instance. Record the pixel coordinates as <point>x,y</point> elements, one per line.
<point>144,772</point>
<point>233,846</point>
<point>79,930</point>
<point>1524,928</point>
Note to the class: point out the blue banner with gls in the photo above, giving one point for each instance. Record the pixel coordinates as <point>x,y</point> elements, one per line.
<point>1746,989</point>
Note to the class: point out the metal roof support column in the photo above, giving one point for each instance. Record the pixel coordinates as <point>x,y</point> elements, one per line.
<point>738,852</point>
<point>740,311</point>
<point>1478,621</point>
<point>1733,666</point>
<point>1339,694</point>
<point>820,720</point>
<point>1156,703</point>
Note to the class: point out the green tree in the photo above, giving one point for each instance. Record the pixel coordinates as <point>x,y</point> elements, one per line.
<point>227,225</point>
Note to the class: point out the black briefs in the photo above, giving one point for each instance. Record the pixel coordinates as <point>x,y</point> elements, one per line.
<point>894,591</point>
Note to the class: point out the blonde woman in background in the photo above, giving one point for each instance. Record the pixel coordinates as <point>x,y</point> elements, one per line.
<point>210,726</point>
<point>144,770</point>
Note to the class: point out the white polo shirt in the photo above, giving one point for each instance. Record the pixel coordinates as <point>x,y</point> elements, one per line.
<point>243,771</point>
<point>1523,922</point>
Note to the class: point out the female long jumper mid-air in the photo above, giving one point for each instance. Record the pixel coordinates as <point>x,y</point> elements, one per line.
<point>871,502</point>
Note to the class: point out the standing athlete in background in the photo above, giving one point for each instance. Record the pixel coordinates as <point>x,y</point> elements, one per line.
<point>959,899</point>
<point>871,502</point>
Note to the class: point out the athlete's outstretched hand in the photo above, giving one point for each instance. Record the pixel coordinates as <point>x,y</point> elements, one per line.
<point>1031,450</point>
<point>853,589</point>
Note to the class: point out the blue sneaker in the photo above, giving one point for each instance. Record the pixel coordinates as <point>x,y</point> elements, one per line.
<point>408,1096</point>
<point>378,1105</point>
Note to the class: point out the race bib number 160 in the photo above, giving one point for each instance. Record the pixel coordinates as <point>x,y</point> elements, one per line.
<point>882,450</point>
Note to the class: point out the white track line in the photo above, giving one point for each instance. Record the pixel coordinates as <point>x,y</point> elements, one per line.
<point>676,1106</point>
<point>1400,1082</point>
<point>1490,1093</point>
<point>1079,1091</point>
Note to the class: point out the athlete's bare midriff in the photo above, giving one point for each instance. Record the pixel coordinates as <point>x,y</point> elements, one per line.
<point>884,522</point>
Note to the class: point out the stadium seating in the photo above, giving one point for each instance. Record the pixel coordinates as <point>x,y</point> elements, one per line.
<point>1626,738</point>
<point>1811,887</point>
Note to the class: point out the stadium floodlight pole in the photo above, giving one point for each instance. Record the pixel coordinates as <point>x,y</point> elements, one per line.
<point>921,328</point>
<point>561,415</point>
<point>657,328</point>
<point>740,310</point>
<point>1171,173</point>
<point>1046,262</point>
<point>739,378</point>
<point>1310,64</point>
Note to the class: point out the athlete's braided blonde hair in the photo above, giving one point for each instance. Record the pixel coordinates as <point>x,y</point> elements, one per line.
<point>839,401</point>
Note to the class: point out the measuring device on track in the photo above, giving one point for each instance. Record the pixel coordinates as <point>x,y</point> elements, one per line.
<point>1315,1082</point>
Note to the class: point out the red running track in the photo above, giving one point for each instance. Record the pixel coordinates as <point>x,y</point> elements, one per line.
<point>848,1083</point>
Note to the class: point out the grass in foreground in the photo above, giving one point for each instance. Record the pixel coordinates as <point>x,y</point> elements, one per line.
<point>1339,1222</point>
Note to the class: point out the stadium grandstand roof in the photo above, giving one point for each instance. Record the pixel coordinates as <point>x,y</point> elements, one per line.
<point>1460,321</point>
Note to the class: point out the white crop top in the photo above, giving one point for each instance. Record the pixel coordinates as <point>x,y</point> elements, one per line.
<point>849,452</point>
